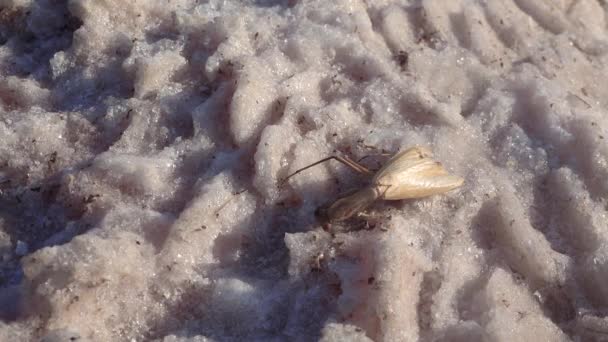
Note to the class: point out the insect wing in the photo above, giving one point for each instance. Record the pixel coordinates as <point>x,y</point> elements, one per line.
<point>414,174</point>
<point>402,161</point>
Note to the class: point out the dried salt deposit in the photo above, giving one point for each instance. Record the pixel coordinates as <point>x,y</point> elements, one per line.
<point>126,128</point>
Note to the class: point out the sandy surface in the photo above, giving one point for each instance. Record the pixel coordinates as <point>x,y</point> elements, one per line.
<point>127,128</point>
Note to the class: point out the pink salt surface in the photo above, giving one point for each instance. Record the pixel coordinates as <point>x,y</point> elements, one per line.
<point>126,125</point>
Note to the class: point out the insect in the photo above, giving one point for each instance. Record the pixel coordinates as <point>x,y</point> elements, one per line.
<point>412,173</point>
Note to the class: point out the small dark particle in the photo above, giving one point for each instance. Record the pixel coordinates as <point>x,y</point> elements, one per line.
<point>35,189</point>
<point>402,59</point>
<point>290,202</point>
<point>91,198</point>
<point>255,36</point>
<point>371,280</point>
<point>137,242</point>
<point>601,137</point>
<point>336,288</point>
<point>521,315</point>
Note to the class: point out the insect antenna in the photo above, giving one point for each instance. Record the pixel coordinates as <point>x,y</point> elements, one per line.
<point>344,160</point>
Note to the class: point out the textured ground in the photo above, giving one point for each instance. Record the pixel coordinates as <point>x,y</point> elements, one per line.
<point>125,126</point>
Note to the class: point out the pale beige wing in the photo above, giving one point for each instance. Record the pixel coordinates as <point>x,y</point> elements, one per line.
<point>402,161</point>
<point>414,174</point>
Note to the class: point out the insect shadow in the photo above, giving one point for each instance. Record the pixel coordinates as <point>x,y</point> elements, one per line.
<point>410,174</point>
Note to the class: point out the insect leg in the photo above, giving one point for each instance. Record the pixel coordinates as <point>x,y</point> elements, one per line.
<point>374,155</point>
<point>344,160</point>
<point>383,193</point>
<point>354,165</point>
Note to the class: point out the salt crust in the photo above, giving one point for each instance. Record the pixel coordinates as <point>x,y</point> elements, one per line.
<point>127,128</point>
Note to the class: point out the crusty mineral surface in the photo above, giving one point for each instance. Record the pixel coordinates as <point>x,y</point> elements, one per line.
<point>129,131</point>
